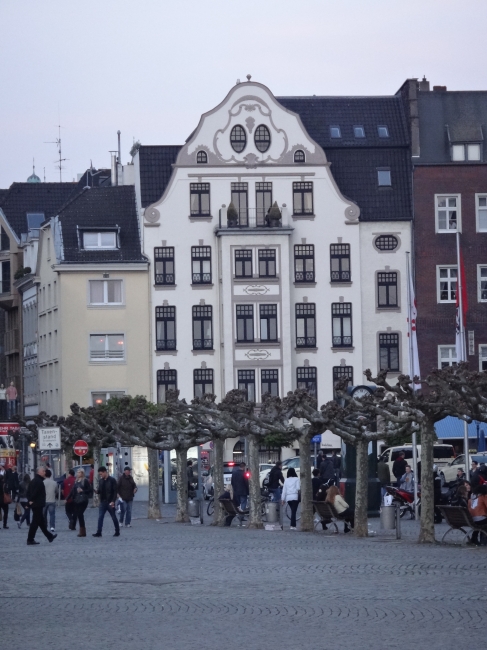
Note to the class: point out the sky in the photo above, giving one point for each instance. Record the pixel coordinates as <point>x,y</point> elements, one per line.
<point>150,68</point>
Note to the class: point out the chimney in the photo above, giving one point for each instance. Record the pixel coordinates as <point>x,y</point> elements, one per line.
<point>424,85</point>
<point>114,168</point>
<point>439,89</point>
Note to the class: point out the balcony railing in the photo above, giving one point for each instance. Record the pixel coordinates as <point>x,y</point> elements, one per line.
<point>201,278</point>
<point>306,342</point>
<point>5,286</point>
<point>12,341</point>
<point>166,344</point>
<point>252,218</point>
<point>340,276</point>
<point>202,344</point>
<point>304,276</point>
<point>342,341</point>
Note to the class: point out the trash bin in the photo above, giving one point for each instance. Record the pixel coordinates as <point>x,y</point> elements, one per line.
<point>388,517</point>
<point>271,512</point>
<point>193,508</point>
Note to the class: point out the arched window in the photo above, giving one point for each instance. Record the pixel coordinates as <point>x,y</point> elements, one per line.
<point>386,242</point>
<point>238,138</point>
<point>201,157</point>
<point>262,138</point>
<point>299,156</point>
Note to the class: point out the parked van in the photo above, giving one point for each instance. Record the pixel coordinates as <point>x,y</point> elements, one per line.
<point>442,455</point>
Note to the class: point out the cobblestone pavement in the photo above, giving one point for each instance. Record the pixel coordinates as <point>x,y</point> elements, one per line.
<point>174,587</point>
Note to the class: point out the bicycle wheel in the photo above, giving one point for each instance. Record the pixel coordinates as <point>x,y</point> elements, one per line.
<point>298,512</point>
<point>211,507</point>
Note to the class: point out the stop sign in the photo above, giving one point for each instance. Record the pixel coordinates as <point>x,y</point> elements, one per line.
<point>80,448</point>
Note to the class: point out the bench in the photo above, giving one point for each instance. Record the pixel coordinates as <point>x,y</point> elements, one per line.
<point>459,518</point>
<point>327,515</point>
<point>231,510</point>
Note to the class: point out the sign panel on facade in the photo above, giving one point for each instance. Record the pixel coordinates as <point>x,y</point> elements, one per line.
<point>49,438</point>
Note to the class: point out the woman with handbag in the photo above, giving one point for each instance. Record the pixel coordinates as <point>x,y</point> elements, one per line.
<point>290,493</point>
<point>24,501</point>
<point>80,494</point>
<point>5,498</point>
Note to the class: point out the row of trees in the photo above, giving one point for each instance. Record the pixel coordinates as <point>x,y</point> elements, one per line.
<point>391,412</point>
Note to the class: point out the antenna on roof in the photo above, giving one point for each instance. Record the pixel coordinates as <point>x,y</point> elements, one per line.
<point>44,174</point>
<point>59,162</point>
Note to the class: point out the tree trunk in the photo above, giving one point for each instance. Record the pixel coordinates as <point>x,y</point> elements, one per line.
<point>96,463</point>
<point>306,486</point>
<point>427,527</point>
<point>154,509</point>
<point>255,495</point>
<point>361,489</point>
<point>182,485</point>
<point>218,483</point>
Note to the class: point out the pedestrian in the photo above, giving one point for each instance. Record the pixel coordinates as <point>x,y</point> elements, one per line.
<point>290,494</point>
<point>126,488</point>
<point>477,506</point>
<point>11,400</point>
<point>36,495</point>
<point>275,480</point>
<point>68,483</point>
<point>79,495</point>
<point>341,507</point>
<point>461,497</point>
<point>407,480</point>
<point>474,471</point>
<point>24,502</point>
<point>337,465</point>
<point>107,489</point>
<point>240,487</point>
<point>50,486</point>
<point>316,483</point>
<point>327,471</point>
<point>13,482</point>
<point>384,476</point>
<point>5,498</point>
<point>399,467</point>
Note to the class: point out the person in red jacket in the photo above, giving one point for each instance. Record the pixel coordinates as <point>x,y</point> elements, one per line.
<point>68,483</point>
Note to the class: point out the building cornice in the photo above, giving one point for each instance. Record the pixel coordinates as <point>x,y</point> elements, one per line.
<point>100,268</point>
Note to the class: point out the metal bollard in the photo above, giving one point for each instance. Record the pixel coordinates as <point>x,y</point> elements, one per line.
<point>398,522</point>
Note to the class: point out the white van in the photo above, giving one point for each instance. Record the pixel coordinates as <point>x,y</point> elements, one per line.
<point>442,454</point>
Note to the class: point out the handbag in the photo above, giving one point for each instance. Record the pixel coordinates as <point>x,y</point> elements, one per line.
<point>7,498</point>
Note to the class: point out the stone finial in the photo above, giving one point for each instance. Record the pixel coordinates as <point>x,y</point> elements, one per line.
<point>249,77</point>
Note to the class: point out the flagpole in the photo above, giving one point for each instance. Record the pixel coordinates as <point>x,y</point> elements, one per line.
<point>411,375</point>
<point>462,349</point>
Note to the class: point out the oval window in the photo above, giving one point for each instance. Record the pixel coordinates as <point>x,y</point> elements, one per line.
<point>201,157</point>
<point>386,243</point>
<point>262,138</point>
<point>238,138</point>
<point>299,156</point>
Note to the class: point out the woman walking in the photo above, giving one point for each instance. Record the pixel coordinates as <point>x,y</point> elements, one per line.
<point>80,494</point>
<point>341,507</point>
<point>5,498</point>
<point>23,500</point>
<point>290,493</point>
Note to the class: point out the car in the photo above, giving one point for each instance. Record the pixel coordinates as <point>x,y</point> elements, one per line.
<point>442,454</point>
<point>449,472</point>
<point>207,476</point>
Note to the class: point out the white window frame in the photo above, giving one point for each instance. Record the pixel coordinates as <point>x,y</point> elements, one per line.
<point>438,280</point>
<point>99,247</point>
<point>105,302</point>
<point>108,394</point>
<point>458,209</point>
<point>479,281</point>
<point>482,355</point>
<point>452,355</point>
<point>478,207</point>
<point>461,152</point>
<point>107,359</point>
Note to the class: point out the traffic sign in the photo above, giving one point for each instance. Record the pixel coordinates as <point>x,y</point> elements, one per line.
<point>80,448</point>
<point>49,438</point>
<point>316,440</point>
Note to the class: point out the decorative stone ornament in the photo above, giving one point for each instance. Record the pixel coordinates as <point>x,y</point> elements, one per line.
<point>152,215</point>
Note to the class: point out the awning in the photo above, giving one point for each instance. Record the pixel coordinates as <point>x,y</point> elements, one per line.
<point>452,428</point>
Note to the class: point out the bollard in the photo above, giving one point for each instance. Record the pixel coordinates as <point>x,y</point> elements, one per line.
<point>398,521</point>
<point>271,512</point>
<point>388,517</point>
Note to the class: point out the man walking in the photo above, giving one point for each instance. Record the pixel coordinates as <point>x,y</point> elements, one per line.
<point>36,494</point>
<point>240,486</point>
<point>107,489</point>
<point>68,483</point>
<point>276,478</point>
<point>126,488</point>
<point>50,486</point>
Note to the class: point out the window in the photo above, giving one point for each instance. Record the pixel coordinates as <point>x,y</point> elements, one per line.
<point>268,323</point>
<point>201,264</point>
<point>306,325</point>
<point>389,352</point>
<point>447,284</point>
<point>383,131</point>
<point>306,378</point>
<point>263,201</point>
<point>262,138</point>
<point>269,382</point>
<point>482,357</point>
<point>4,240</point>
<point>246,382</point>
<point>203,382</point>
<point>201,157</point>
<point>339,373</point>
<point>384,177</point>
<point>245,323</point>
<point>481,205</point>
<point>97,399</point>
<point>241,202</point>
<point>34,220</point>
<point>299,156</point>
<point>387,289</point>
<point>105,292</point>
<point>359,131</point>
<point>164,265</point>
<point>199,194</point>
<point>386,242</point>
<point>202,327</point>
<point>107,347</point>
<point>341,319</point>
<point>99,240</point>
<point>238,138</point>
<point>340,262</point>
<point>482,283</point>
<point>461,152</point>
<point>165,328</point>
<point>5,284</point>
<point>267,263</point>
<point>447,356</point>
<point>447,213</point>
<point>243,263</point>
<point>335,132</point>
<point>304,263</point>
<point>166,380</point>
<point>303,198</point>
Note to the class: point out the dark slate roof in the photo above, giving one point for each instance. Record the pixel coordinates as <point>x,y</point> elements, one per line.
<point>33,197</point>
<point>104,208</point>
<point>155,170</point>
<point>463,112</point>
<point>354,161</point>
<point>3,194</point>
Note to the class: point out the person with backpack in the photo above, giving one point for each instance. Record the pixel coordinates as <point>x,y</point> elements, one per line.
<point>79,495</point>
<point>107,489</point>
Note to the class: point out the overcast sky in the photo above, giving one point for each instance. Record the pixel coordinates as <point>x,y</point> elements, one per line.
<point>151,67</point>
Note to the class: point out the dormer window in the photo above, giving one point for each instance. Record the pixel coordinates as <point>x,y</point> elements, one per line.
<point>106,240</point>
<point>384,177</point>
<point>201,157</point>
<point>335,132</point>
<point>383,131</point>
<point>34,219</point>
<point>238,138</point>
<point>299,156</point>
<point>460,152</point>
<point>359,131</point>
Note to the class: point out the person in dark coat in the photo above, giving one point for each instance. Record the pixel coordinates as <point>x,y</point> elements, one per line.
<point>13,483</point>
<point>316,483</point>
<point>384,476</point>
<point>276,480</point>
<point>337,464</point>
<point>240,487</point>
<point>80,495</point>
<point>36,495</point>
<point>126,488</point>
<point>327,471</point>
<point>3,491</point>
<point>24,501</point>
<point>68,483</point>
<point>107,489</point>
<point>399,467</point>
